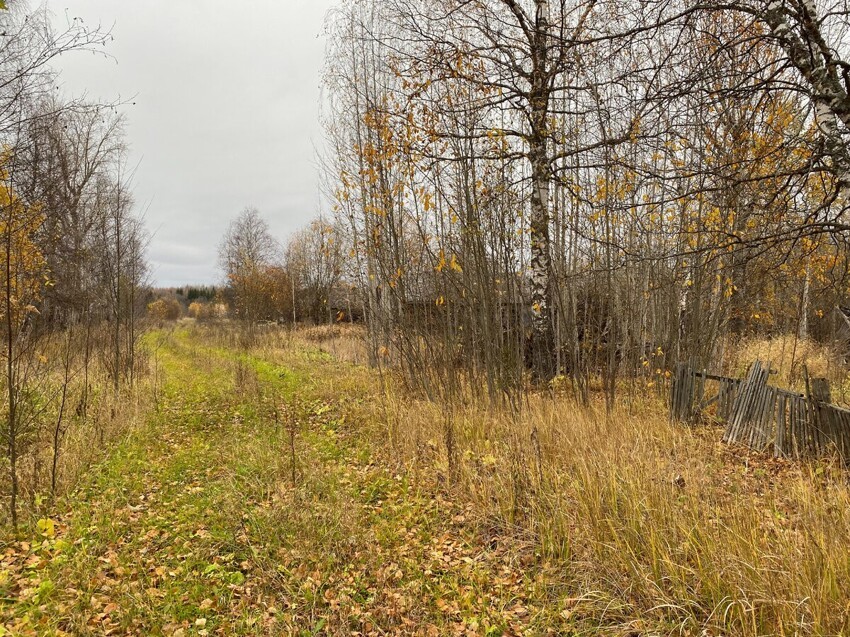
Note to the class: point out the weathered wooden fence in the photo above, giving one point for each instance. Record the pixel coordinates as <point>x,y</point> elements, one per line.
<point>763,417</point>
<point>698,393</point>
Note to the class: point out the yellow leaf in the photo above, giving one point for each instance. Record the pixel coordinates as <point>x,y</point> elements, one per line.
<point>442,263</point>
<point>47,527</point>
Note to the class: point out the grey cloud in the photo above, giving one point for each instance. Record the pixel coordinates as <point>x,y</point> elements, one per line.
<point>226,114</point>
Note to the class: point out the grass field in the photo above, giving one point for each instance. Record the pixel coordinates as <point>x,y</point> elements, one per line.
<point>279,491</point>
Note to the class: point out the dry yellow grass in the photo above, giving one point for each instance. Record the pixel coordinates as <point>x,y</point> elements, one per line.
<point>620,524</point>
<point>648,520</point>
<point>344,341</point>
<point>634,524</point>
<point>788,356</point>
<point>87,434</point>
<point>644,524</point>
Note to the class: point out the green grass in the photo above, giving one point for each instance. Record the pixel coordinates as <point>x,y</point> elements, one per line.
<point>194,527</point>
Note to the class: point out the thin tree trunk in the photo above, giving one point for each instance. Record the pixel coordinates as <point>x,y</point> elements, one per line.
<point>57,430</point>
<point>803,332</point>
<point>11,380</point>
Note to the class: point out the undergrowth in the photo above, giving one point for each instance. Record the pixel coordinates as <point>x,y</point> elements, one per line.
<point>277,490</point>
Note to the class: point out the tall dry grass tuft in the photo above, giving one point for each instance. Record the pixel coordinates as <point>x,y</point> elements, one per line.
<point>87,440</point>
<point>648,519</point>
<point>344,341</point>
<point>789,357</point>
<point>78,416</point>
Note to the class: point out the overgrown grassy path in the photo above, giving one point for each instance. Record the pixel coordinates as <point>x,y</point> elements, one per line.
<point>194,526</point>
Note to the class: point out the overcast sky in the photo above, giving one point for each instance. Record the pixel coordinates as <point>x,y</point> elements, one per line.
<point>226,114</point>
